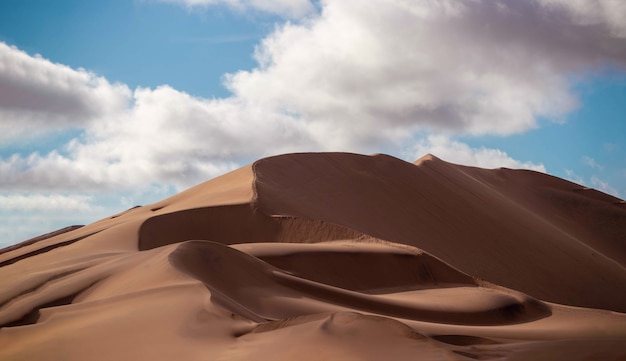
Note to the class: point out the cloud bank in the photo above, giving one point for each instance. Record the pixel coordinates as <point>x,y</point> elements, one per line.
<point>38,96</point>
<point>608,14</point>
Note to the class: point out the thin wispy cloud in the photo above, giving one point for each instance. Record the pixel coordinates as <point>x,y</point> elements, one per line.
<point>590,162</point>
<point>603,186</point>
<point>45,203</point>
<point>572,176</point>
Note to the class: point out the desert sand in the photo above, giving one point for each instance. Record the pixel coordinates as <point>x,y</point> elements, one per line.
<point>331,256</point>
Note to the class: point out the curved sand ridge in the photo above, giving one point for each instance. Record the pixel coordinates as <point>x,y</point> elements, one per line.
<point>261,292</point>
<point>331,256</point>
<point>520,229</point>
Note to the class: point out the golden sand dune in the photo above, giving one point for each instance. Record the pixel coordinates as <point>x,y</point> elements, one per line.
<point>331,256</point>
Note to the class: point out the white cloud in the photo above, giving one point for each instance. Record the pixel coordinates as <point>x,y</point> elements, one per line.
<point>285,8</point>
<point>590,162</point>
<point>474,67</point>
<point>167,137</point>
<point>461,153</point>
<point>359,76</point>
<point>44,202</point>
<point>38,96</point>
<point>594,12</point>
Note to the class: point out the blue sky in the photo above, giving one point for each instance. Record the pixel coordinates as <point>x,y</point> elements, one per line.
<point>109,104</point>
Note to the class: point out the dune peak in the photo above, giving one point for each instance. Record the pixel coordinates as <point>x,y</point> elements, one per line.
<point>426,158</point>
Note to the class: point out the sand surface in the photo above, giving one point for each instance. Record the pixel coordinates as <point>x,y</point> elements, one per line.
<point>331,256</point>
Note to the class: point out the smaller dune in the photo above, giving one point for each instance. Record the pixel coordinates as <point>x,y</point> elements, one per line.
<point>252,286</point>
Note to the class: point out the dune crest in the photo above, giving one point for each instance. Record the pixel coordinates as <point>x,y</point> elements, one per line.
<point>426,158</point>
<point>331,256</point>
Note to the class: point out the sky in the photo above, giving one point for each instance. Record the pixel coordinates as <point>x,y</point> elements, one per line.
<point>105,105</point>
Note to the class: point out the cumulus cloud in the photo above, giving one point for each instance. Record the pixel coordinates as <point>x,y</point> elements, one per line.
<point>609,13</point>
<point>461,153</point>
<point>37,95</point>
<point>167,137</point>
<point>474,67</point>
<point>359,76</point>
<point>284,8</point>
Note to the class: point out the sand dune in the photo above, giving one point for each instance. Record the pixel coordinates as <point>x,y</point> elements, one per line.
<point>330,256</point>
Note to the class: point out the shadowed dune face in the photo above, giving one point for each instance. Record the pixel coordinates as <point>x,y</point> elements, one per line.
<point>331,256</point>
<point>252,286</point>
<point>384,271</point>
<point>454,211</point>
<point>234,224</point>
<point>212,223</point>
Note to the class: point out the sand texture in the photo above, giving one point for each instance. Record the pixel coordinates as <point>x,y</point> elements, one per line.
<point>331,256</point>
